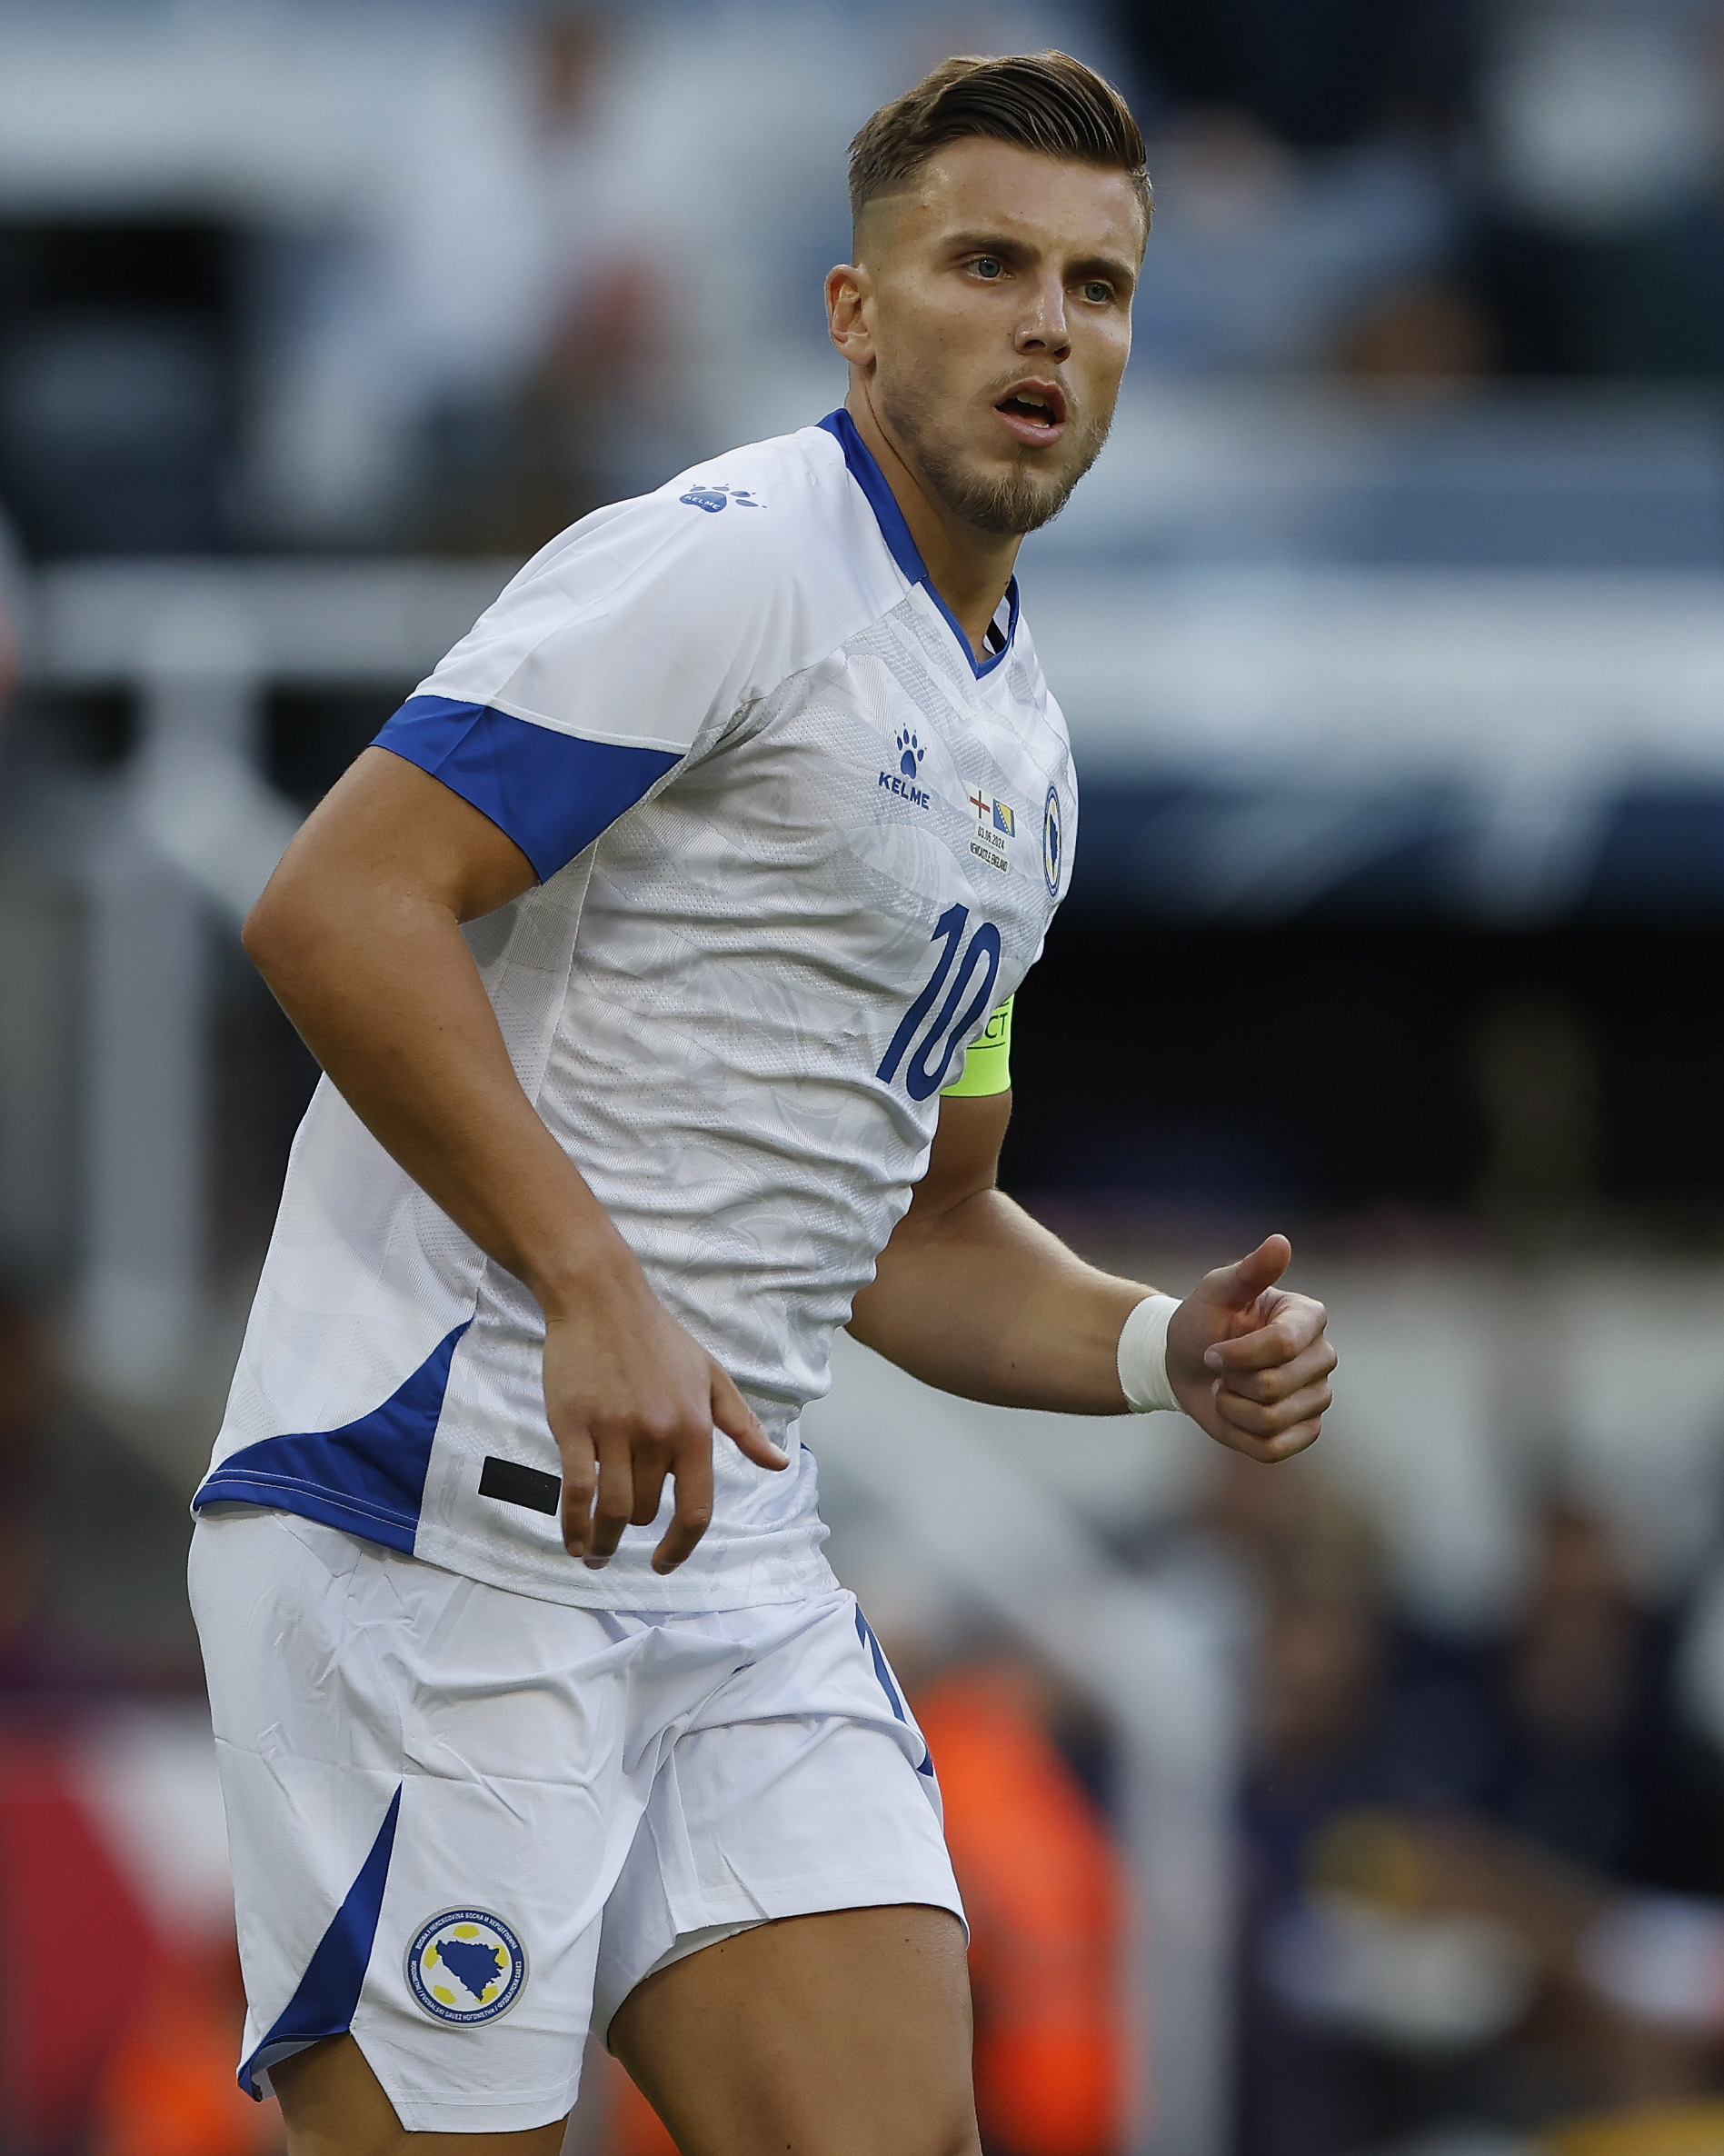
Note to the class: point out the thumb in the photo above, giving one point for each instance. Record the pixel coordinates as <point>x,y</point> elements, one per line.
<point>1237,1287</point>
<point>732,1416</point>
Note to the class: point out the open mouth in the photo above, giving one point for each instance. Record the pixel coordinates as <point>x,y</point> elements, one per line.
<point>1034,410</point>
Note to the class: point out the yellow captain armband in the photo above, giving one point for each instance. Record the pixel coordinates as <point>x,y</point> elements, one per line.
<point>986,1069</point>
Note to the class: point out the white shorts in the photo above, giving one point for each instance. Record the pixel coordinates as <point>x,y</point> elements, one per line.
<point>465,1823</point>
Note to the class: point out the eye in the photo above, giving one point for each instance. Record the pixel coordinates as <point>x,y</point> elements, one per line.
<point>1098,291</point>
<point>989,266</point>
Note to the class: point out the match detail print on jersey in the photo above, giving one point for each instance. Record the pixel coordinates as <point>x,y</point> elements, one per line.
<point>797,847</point>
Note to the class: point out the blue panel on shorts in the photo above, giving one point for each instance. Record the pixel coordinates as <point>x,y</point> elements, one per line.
<point>552,792</point>
<point>368,1477</point>
<point>882,1670</point>
<point>329,1990</point>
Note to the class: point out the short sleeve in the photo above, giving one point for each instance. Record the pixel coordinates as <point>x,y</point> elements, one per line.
<point>624,648</point>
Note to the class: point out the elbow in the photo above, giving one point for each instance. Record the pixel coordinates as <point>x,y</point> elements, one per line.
<point>253,934</point>
<point>259,933</point>
<point>275,933</point>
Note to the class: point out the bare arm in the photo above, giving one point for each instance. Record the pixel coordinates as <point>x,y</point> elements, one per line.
<point>973,1296</point>
<point>359,936</point>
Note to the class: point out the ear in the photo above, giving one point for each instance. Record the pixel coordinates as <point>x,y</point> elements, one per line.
<point>849,292</point>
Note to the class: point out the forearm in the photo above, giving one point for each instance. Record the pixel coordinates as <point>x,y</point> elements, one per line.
<point>395,1012</point>
<point>985,1302</point>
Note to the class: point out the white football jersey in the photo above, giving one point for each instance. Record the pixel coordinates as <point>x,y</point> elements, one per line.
<point>794,846</point>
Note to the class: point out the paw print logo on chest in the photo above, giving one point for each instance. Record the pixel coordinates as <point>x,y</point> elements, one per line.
<point>902,784</point>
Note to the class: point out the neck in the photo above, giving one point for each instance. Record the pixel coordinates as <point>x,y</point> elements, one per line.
<point>969,569</point>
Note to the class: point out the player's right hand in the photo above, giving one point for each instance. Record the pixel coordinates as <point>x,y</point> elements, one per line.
<point>632,1397</point>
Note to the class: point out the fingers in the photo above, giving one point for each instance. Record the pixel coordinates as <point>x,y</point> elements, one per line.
<point>1276,1381</point>
<point>579,1486</point>
<point>616,1506</point>
<point>628,1486</point>
<point>730,1413</point>
<point>1237,1287</point>
<point>1295,1324</point>
<point>732,1416</point>
<point>649,1493</point>
<point>1269,1424</point>
<point>1268,1450</point>
<point>615,1469</point>
<point>693,1513</point>
<point>631,1398</point>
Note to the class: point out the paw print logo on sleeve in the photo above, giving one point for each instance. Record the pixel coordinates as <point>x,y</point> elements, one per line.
<point>713,498</point>
<point>910,753</point>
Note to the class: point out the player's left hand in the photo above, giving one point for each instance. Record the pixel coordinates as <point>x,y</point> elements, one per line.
<point>1251,1361</point>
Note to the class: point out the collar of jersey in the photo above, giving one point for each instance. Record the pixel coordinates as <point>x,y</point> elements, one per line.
<point>903,548</point>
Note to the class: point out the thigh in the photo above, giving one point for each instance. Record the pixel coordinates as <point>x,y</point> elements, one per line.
<point>842,2034</point>
<point>334,2105</point>
<point>802,1788</point>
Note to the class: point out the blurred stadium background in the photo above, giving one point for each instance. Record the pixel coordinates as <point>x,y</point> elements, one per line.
<point>1373,1807</point>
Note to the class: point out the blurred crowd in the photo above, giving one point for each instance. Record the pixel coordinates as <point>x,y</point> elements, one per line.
<point>447,280</point>
<point>1439,190</point>
<point>1483,1876</point>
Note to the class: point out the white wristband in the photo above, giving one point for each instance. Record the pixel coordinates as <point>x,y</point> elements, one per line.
<point>1142,1355</point>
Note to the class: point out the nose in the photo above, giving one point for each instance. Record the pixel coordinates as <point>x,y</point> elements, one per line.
<point>1044,329</point>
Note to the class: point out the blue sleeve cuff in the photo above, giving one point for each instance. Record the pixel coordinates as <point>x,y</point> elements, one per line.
<point>552,794</point>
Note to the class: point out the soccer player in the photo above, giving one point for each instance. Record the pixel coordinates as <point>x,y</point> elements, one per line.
<point>659,955</point>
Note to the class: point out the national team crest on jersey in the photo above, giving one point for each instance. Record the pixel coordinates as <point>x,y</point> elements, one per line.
<point>1052,842</point>
<point>466,1966</point>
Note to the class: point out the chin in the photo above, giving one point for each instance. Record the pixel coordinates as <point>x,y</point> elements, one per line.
<point>1004,498</point>
<point>994,490</point>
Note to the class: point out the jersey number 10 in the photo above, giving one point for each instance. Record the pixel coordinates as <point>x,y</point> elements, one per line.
<point>926,1070</point>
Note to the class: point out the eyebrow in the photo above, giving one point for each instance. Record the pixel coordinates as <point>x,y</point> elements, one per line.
<point>994,242</point>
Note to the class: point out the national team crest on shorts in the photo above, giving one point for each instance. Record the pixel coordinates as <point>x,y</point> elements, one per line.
<point>466,1966</point>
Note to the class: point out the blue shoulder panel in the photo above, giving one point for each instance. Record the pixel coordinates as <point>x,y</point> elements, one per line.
<point>368,1477</point>
<point>329,1990</point>
<point>552,792</point>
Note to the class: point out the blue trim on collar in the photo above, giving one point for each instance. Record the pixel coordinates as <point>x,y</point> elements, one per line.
<point>903,548</point>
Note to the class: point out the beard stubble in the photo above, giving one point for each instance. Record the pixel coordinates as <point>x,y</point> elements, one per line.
<point>1006,506</point>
